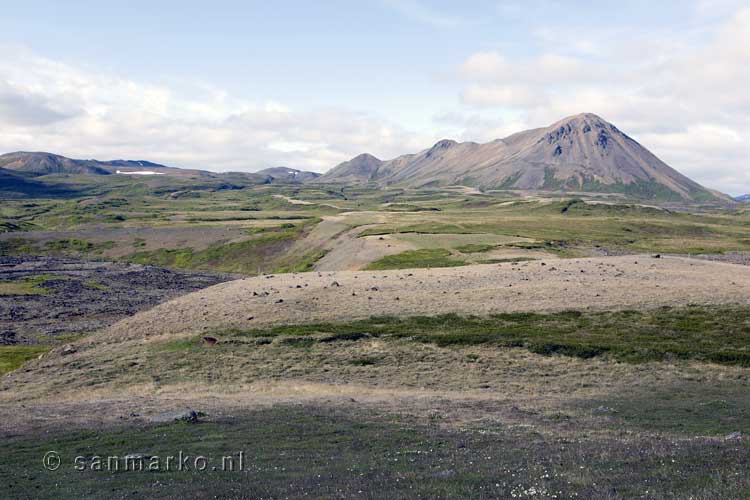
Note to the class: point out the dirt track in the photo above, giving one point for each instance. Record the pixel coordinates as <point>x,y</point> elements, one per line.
<point>593,283</point>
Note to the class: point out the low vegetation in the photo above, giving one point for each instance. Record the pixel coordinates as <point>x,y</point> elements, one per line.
<point>417,258</point>
<point>13,357</point>
<point>475,248</point>
<point>32,285</point>
<point>300,451</point>
<point>716,335</point>
<point>64,246</point>
<point>568,228</point>
<point>263,252</point>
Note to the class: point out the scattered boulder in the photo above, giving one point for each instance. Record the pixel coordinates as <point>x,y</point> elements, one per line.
<point>188,415</point>
<point>210,340</point>
<point>68,349</point>
<point>604,409</point>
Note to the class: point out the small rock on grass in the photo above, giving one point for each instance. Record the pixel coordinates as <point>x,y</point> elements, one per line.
<point>190,416</point>
<point>604,409</point>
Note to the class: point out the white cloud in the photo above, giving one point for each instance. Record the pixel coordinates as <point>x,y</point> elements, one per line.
<point>475,127</point>
<point>511,95</point>
<point>683,98</point>
<point>46,105</point>
<point>486,66</point>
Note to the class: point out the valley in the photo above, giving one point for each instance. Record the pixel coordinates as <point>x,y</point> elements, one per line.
<point>362,338</point>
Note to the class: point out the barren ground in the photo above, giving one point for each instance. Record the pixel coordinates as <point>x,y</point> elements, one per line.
<point>85,296</point>
<point>553,285</point>
<point>100,370</point>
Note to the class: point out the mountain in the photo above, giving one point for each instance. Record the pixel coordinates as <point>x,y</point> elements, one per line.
<point>40,163</point>
<point>284,174</point>
<point>745,198</point>
<point>47,163</point>
<point>358,170</point>
<point>17,185</point>
<point>579,153</point>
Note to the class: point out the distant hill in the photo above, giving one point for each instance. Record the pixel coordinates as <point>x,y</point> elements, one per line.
<point>579,153</point>
<point>360,169</point>
<point>745,198</point>
<point>16,185</point>
<point>284,174</point>
<point>47,163</point>
<point>25,174</point>
<point>40,163</point>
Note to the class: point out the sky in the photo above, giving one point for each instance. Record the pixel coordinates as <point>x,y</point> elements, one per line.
<point>246,85</point>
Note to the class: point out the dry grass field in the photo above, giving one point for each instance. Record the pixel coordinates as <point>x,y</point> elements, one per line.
<point>434,345</point>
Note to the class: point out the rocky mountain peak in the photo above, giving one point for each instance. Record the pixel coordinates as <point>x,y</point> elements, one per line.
<point>582,152</point>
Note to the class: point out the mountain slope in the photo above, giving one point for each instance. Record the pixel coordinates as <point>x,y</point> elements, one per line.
<point>284,174</point>
<point>15,185</point>
<point>745,198</point>
<point>41,163</point>
<point>579,153</point>
<point>360,169</point>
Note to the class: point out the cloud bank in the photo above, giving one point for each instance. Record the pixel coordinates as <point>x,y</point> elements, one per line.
<point>77,112</point>
<point>682,94</point>
<point>686,101</point>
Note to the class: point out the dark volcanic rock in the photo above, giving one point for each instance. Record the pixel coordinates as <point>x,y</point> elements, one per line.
<point>85,296</point>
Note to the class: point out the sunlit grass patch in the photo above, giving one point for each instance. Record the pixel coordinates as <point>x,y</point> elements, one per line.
<point>710,334</point>
<point>32,285</point>
<point>13,357</point>
<point>475,248</point>
<point>417,259</point>
<point>95,285</point>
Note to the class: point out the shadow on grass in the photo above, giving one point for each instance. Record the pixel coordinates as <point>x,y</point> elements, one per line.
<point>293,451</point>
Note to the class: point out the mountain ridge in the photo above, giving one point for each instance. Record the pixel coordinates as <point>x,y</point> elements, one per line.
<point>38,163</point>
<point>582,152</point>
<point>287,174</point>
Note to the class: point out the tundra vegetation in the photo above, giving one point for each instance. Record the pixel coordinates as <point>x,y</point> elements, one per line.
<point>647,401</point>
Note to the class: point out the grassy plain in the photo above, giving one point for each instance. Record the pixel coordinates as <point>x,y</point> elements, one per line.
<point>314,451</point>
<point>650,403</point>
<point>221,229</point>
